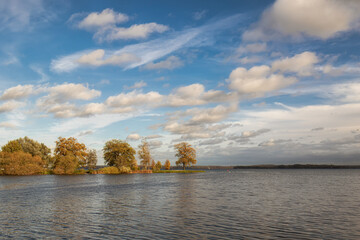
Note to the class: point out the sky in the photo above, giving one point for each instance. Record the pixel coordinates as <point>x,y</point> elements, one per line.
<point>245,82</point>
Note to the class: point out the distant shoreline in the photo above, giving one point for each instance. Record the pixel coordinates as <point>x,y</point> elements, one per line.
<point>277,166</point>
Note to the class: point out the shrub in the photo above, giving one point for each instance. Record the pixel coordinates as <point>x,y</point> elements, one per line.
<point>20,163</point>
<point>108,170</point>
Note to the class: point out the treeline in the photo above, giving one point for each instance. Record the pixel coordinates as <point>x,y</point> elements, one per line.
<point>299,166</point>
<point>25,156</point>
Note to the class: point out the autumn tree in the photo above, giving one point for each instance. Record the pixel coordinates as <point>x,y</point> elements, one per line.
<point>91,159</point>
<point>35,148</point>
<point>167,164</point>
<point>20,163</point>
<point>69,155</point>
<point>11,146</point>
<point>144,154</point>
<point>119,154</point>
<point>152,164</point>
<point>157,166</point>
<point>186,154</point>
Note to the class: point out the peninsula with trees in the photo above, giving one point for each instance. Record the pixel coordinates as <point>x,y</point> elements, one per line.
<point>25,156</point>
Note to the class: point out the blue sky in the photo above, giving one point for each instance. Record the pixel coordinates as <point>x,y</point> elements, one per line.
<point>245,82</point>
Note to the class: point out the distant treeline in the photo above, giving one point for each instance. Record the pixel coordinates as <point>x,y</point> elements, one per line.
<point>299,166</point>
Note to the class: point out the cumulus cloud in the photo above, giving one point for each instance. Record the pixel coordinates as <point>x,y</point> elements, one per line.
<point>257,80</point>
<point>155,144</point>
<point>136,31</point>
<point>8,125</point>
<point>133,137</point>
<point>247,135</point>
<point>153,136</point>
<point>318,18</point>
<point>96,58</point>
<point>104,25</point>
<point>136,85</point>
<point>195,94</point>
<point>9,106</point>
<point>134,98</point>
<point>100,19</point>
<point>71,91</point>
<point>302,64</point>
<point>155,49</point>
<point>18,92</point>
<point>170,63</point>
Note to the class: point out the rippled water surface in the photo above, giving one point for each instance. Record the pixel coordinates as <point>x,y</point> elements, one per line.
<point>240,204</point>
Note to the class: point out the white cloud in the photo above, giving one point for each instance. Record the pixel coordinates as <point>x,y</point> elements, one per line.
<point>170,63</point>
<point>155,49</point>
<point>136,31</point>
<point>257,80</point>
<point>136,85</point>
<point>96,58</point>
<point>195,94</point>
<point>72,91</point>
<point>133,137</point>
<point>302,64</point>
<point>9,106</point>
<point>317,18</point>
<point>18,15</point>
<point>18,92</point>
<point>134,98</point>
<point>101,19</point>
<point>199,15</point>
<point>8,125</point>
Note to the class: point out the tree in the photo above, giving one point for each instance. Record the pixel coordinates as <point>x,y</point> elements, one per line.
<point>69,155</point>
<point>118,153</point>
<point>20,163</point>
<point>152,164</point>
<point>35,148</point>
<point>144,154</point>
<point>157,166</point>
<point>91,159</point>
<point>167,164</point>
<point>186,154</point>
<point>11,146</point>
<point>31,146</point>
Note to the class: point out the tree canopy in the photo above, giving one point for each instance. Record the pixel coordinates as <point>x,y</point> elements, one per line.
<point>186,154</point>
<point>20,163</point>
<point>167,164</point>
<point>144,154</point>
<point>91,159</point>
<point>119,153</point>
<point>69,155</point>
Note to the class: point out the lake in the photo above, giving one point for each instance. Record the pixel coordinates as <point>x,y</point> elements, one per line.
<point>236,204</point>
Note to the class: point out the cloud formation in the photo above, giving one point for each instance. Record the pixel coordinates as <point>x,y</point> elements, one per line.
<point>321,19</point>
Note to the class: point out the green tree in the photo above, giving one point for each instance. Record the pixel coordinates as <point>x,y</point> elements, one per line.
<point>167,164</point>
<point>11,146</point>
<point>35,148</point>
<point>144,154</point>
<point>119,154</point>
<point>186,154</point>
<point>91,159</point>
<point>69,155</point>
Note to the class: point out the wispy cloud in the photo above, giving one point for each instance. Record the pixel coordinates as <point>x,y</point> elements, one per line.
<point>155,49</point>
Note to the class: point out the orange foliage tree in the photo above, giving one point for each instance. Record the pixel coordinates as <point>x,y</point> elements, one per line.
<point>20,163</point>
<point>69,155</point>
<point>186,154</point>
<point>167,164</point>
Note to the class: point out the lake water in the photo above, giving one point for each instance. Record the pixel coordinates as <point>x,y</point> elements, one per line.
<point>240,204</point>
